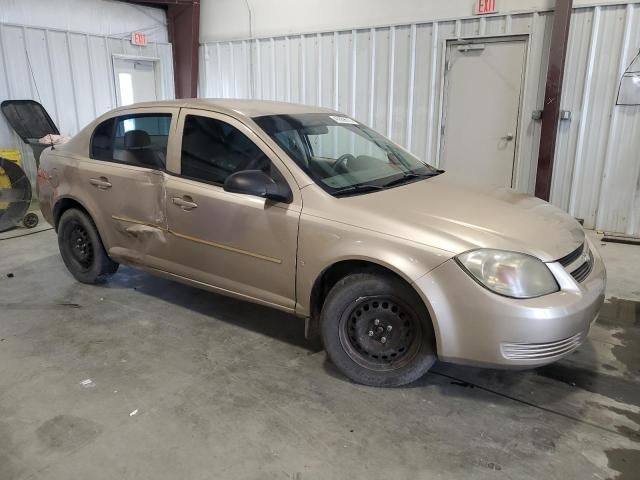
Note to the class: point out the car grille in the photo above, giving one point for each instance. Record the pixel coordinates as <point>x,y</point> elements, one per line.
<point>583,270</point>
<point>578,263</point>
<point>537,351</point>
<point>572,257</point>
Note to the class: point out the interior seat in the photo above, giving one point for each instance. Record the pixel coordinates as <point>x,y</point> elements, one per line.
<point>137,144</point>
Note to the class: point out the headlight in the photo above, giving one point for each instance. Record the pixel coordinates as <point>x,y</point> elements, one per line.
<point>509,273</point>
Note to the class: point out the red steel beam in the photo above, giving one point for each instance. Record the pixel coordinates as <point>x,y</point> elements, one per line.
<point>159,2</point>
<point>553,91</point>
<point>184,33</point>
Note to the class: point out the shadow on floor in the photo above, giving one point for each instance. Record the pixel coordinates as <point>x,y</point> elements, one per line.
<point>263,320</point>
<point>290,329</point>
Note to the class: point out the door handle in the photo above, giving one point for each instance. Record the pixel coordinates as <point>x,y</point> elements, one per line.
<point>185,202</point>
<point>508,137</point>
<point>102,183</point>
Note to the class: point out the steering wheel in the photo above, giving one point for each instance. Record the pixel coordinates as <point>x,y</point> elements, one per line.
<point>341,162</point>
<point>259,162</point>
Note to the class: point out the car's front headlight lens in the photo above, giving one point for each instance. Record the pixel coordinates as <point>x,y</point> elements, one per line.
<point>509,273</point>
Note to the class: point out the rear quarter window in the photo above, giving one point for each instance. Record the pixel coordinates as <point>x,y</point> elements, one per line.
<point>102,141</point>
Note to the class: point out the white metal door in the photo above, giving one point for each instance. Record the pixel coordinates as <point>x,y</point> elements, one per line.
<point>483,86</point>
<point>135,79</point>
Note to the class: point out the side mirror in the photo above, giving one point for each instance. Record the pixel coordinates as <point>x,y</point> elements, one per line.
<point>257,183</point>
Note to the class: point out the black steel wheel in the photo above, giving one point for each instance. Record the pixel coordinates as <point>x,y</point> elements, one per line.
<point>30,220</point>
<point>380,332</point>
<point>81,248</point>
<point>377,331</point>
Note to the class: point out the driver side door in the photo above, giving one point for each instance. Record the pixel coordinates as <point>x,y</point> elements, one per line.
<point>237,243</point>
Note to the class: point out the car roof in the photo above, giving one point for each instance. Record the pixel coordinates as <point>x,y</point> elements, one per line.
<point>248,108</point>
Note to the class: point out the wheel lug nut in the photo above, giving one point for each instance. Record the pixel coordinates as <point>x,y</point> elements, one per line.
<point>376,322</point>
<point>383,339</point>
<point>371,333</point>
<point>389,328</point>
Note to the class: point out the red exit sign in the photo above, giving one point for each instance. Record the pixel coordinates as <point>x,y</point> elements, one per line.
<point>484,7</point>
<point>139,38</point>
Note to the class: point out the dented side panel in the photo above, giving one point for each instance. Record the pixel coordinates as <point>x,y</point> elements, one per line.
<point>131,210</point>
<point>126,202</point>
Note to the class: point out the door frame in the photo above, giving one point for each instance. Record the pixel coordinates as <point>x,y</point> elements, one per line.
<point>174,166</point>
<point>106,224</point>
<point>175,177</point>
<point>156,73</point>
<point>444,83</point>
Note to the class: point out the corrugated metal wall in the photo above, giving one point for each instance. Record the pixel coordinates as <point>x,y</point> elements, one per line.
<point>69,73</point>
<point>390,77</point>
<point>95,17</point>
<point>597,173</point>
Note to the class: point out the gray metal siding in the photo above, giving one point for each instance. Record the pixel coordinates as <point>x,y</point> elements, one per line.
<point>597,176</point>
<point>390,77</point>
<point>70,73</point>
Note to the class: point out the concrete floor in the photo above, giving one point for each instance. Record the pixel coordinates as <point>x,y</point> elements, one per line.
<point>148,379</point>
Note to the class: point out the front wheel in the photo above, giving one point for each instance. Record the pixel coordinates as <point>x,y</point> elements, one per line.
<point>376,330</point>
<point>81,248</point>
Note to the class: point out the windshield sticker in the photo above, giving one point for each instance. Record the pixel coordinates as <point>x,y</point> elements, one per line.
<point>345,120</point>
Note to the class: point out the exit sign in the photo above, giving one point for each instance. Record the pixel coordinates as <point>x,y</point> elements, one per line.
<point>139,38</point>
<point>484,7</point>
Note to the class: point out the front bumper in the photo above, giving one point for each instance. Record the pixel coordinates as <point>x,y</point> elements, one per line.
<point>476,326</point>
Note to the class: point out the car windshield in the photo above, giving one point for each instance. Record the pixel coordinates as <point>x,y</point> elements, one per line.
<point>342,155</point>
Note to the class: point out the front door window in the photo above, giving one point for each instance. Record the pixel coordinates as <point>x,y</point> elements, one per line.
<point>212,150</point>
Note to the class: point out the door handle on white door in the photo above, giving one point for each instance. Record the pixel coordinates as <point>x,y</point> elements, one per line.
<point>508,137</point>
<point>102,183</point>
<point>185,202</point>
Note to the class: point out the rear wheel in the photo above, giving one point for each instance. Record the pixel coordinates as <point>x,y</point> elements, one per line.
<point>81,248</point>
<point>376,330</point>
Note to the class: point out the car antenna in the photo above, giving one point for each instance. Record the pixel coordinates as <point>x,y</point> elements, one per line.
<point>37,91</point>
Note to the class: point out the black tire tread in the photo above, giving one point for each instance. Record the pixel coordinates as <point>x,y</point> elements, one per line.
<point>350,288</point>
<point>102,266</point>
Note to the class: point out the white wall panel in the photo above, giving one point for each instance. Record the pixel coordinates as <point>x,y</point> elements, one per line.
<point>223,20</point>
<point>597,173</point>
<point>390,77</point>
<point>94,17</point>
<point>70,73</point>
<point>619,206</point>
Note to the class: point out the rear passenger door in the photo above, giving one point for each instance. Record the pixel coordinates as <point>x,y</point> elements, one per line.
<point>124,182</point>
<point>238,243</point>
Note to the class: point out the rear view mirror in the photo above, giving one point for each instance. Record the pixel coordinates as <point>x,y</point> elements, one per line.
<point>316,130</point>
<point>257,183</point>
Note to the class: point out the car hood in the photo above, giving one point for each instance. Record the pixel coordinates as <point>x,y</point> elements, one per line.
<point>451,216</point>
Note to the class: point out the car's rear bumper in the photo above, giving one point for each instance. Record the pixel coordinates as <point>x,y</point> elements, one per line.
<point>474,325</point>
<point>44,191</point>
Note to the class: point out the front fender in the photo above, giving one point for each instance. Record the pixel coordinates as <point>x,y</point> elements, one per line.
<point>323,243</point>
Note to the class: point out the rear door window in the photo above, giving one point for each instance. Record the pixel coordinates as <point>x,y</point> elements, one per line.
<point>133,139</point>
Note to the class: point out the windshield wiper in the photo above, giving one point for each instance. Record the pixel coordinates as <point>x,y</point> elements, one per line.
<point>411,176</point>
<point>357,189</point>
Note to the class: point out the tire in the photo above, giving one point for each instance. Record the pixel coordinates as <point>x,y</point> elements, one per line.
<point>82,250</point>
<point>377,331</point>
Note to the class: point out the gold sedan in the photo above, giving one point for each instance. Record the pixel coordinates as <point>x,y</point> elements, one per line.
<point>309,211</point>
